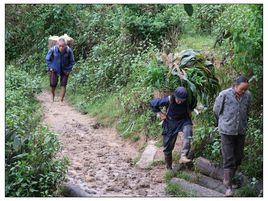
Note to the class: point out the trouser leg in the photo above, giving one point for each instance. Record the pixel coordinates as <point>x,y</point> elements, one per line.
<point>187,136</point>
<point>239,153</point>
<point>169,143</point>
<point>229,162</point>
<point>63,84</point>
<point>53,78</point>
<point>239,149</point>
<point>228,151</point>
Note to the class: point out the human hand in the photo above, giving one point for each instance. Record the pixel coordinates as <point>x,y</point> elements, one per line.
<point>49,71</point>
<point>162,115</point>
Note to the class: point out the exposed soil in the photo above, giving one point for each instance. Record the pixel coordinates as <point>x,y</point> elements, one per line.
<point>102,163</point>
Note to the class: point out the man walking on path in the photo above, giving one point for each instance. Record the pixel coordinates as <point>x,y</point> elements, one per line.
<point>60,61</point>
<point>177,119</point>
<point>231,109</point>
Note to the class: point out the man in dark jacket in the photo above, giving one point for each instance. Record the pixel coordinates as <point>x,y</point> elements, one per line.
<point>60,61</point>
<point>176,119</point>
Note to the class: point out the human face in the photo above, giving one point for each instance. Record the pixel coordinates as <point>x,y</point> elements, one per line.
<point>241,88</point>
<point>179,101</point>
<point>62,46</point>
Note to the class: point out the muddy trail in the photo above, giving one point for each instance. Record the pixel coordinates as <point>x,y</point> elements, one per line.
<point>101,162</point>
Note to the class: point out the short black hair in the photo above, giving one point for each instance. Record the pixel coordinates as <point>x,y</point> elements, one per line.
<point>240,79</point>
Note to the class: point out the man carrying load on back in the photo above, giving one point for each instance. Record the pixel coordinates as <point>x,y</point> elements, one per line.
<point>176,119</point>
<point>60,61</point>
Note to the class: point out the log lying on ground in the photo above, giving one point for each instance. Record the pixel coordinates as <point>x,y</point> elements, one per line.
<point>206,181</point>
<point>71,190</point>
<point>195,189</point>
<point>206,167</point>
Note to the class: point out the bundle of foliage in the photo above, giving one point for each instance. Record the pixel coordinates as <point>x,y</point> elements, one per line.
<point>30,164</point>
<point>195,72</point>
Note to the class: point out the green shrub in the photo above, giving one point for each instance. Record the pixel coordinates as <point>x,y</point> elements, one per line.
<point>205,16</point>
<point>23,38</point>
<point>240,27</point>
<point>31,165</point>
<point>178,191</point>
<point>252,164</point>
<point>154,23</point>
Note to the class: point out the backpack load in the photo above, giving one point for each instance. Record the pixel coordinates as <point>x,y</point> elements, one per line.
<point>53,40</point>
<point>70,40</point>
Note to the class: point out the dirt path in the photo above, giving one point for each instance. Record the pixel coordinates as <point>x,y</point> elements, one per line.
<point>101,162</point>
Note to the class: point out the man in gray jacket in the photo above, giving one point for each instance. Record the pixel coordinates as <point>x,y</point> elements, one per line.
<point>231,109</point>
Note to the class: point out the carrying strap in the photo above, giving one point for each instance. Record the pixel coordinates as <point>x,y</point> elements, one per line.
<point>169,99</point>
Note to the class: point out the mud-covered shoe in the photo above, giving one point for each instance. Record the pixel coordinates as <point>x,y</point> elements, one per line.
<point>237,181</point>
<point>229,192</point>
<point>235,186</point>
<point>184,159</point>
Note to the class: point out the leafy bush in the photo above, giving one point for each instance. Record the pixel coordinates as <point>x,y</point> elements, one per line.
<point>253,152</point>
<point>32,168</point>
<point>205,16</point>
<point>155,23</point>
<point>244,42</point>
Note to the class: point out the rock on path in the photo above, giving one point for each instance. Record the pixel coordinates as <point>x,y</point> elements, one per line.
<point>147,156</point>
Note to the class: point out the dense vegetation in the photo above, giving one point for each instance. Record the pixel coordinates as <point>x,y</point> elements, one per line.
<point>31,166</point>
<point>118,50</point>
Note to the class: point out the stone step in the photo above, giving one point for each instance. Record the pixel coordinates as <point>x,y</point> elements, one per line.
<point>195,189</point>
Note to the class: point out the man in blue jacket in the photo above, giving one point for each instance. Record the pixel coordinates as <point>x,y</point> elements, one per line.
<point>60,61</point>
<point>176,119</point>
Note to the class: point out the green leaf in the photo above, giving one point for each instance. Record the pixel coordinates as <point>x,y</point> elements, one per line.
<point>20,156</point>
<point>17,142</point>
<point>189,9</point>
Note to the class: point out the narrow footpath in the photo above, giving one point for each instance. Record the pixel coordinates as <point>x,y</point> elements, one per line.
<point>102,163</point>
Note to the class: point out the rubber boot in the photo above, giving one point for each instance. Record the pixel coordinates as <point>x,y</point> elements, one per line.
<point>168,159</point>
<point>227,181</point>
<point>235,183</point>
